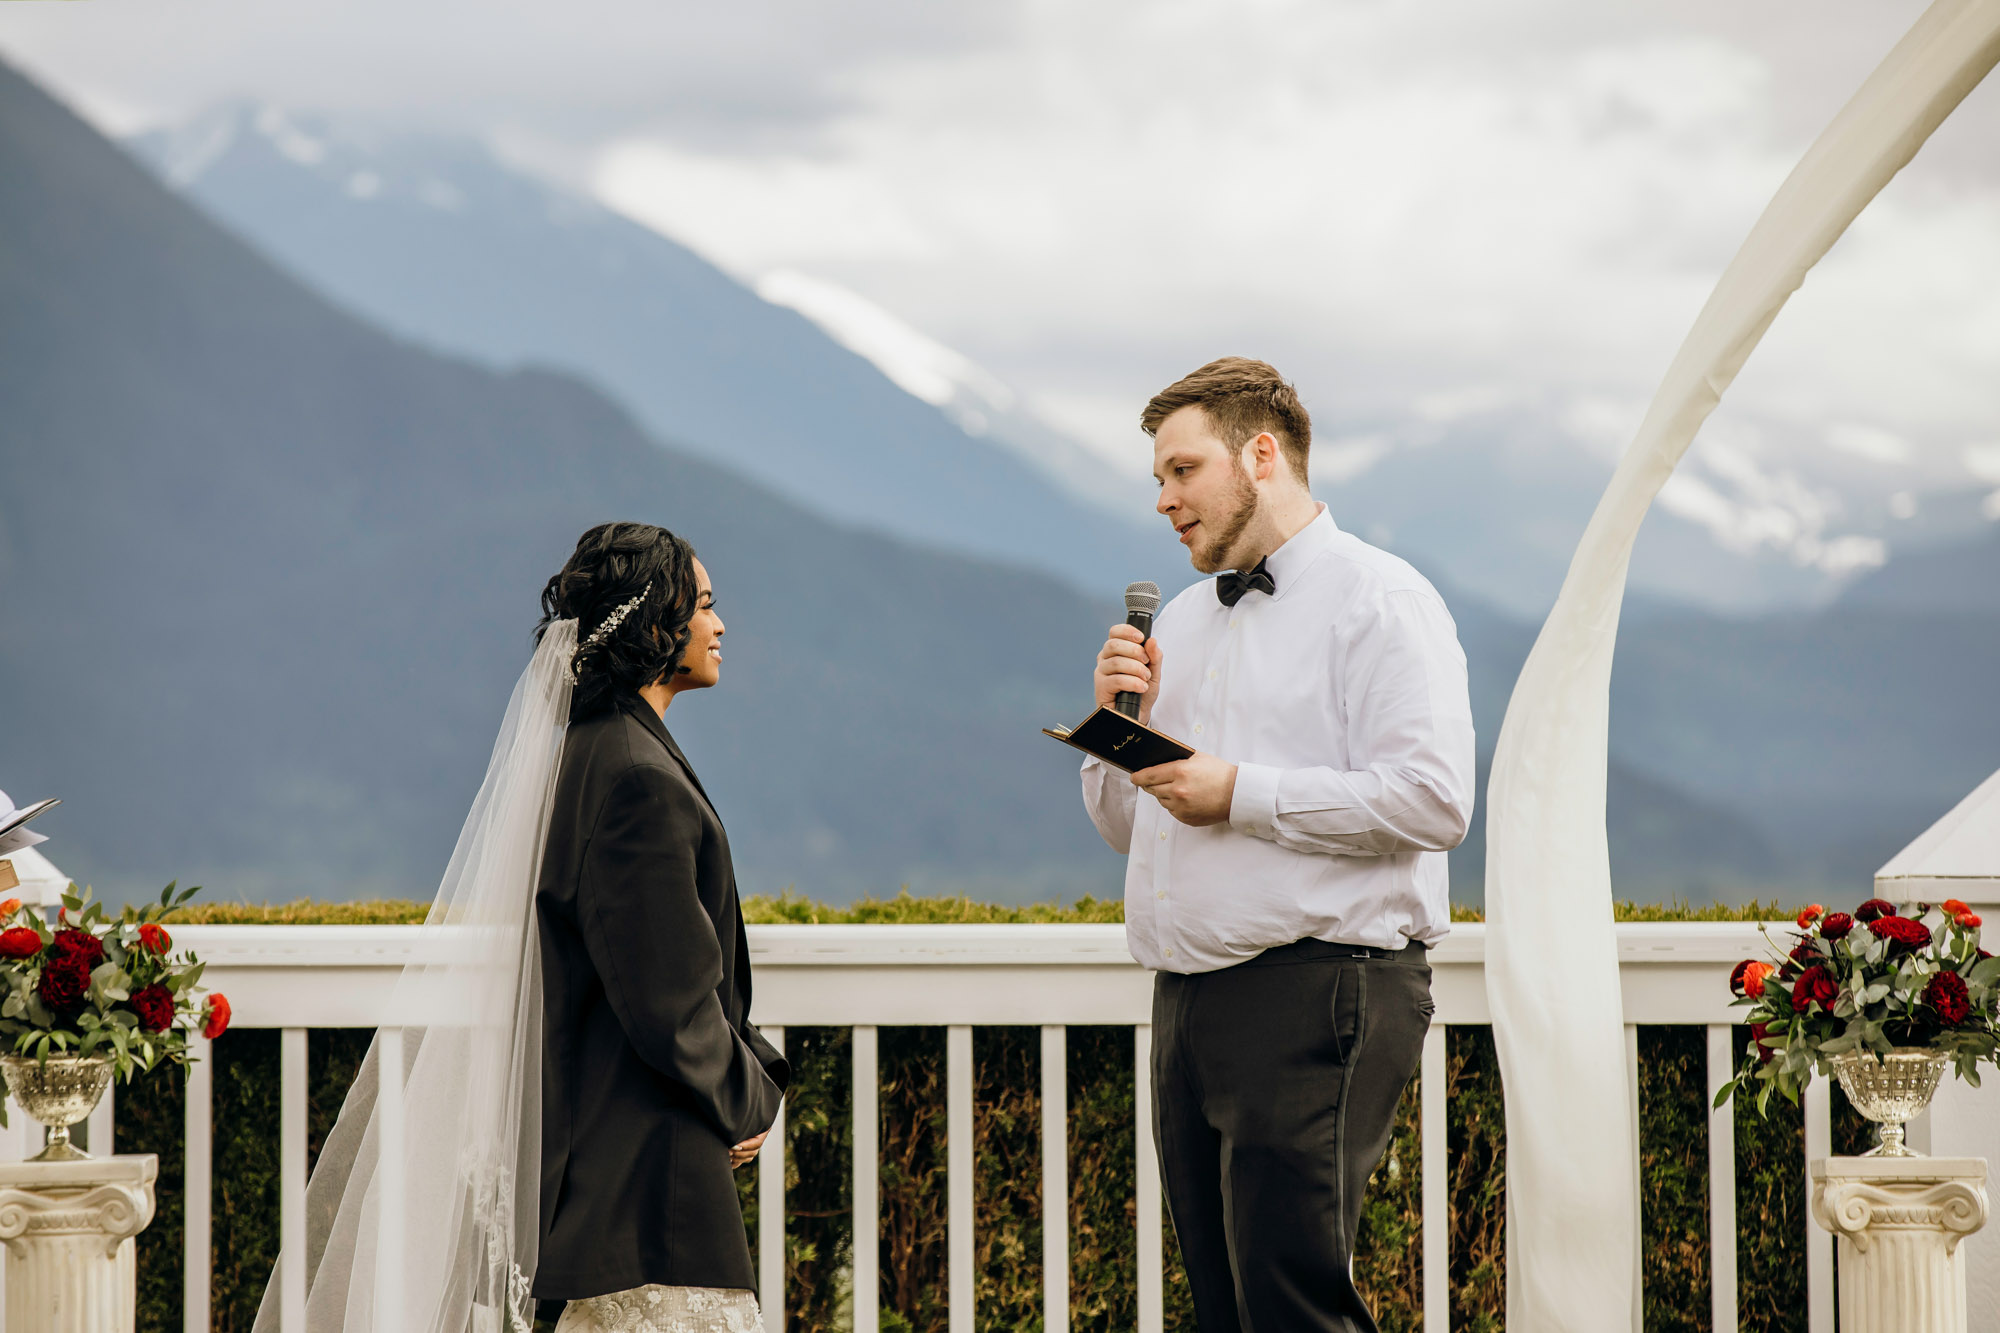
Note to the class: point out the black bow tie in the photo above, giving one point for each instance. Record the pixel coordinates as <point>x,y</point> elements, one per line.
<point>1231,584</point>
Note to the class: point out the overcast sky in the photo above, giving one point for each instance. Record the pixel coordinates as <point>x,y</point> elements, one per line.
<point>1418,211</point>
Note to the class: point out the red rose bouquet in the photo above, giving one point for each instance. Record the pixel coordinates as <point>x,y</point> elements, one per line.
<point>1872,980</point>
<point>91,985</point>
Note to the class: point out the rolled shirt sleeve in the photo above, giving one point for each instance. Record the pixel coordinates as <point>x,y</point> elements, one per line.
<point>1408,718</point>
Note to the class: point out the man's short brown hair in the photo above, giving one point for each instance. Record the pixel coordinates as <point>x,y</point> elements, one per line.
<point>1241,399</point>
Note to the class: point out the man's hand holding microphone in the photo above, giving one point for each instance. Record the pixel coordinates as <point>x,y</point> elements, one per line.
<point>1196,790</point>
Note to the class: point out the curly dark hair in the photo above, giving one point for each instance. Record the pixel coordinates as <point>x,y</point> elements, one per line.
<point>612,564</point>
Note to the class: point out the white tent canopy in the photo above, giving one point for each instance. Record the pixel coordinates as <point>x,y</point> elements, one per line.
<point>1957,857</point>
<point>42,885</point>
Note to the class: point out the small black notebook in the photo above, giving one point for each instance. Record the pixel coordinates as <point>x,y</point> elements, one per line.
<point>1120,742</point>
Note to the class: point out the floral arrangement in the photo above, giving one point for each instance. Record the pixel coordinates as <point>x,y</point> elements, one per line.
<point>89,984</point>
<point>1871,980</point>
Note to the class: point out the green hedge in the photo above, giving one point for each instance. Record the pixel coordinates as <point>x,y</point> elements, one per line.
<point>1008,1244</point>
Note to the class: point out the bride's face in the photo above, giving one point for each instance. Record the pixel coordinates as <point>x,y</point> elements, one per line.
<point>701,664</point>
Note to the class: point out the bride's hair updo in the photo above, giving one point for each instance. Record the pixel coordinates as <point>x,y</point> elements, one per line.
<point>613,564</point>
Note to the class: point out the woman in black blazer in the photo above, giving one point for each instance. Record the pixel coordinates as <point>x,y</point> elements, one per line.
<point>654,1083</point>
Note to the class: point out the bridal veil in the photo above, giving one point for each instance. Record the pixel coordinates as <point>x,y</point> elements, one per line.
<point>422,1210</point>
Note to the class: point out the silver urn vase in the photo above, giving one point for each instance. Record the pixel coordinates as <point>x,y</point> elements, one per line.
<point>57,1092</point>
<point>1890,1089</point>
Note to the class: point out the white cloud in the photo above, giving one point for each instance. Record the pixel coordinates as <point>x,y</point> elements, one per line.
<point>1983,460</point>
<point>1870,442</point>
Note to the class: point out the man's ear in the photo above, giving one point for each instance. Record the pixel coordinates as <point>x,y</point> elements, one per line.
<point>1264,456</point>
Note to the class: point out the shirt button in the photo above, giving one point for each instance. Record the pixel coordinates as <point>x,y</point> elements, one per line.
<point>1170,953</point>
<point>1211,675</point>
<point>1197,728</point>
<point>1163,835</point>
<point>1161,895</point>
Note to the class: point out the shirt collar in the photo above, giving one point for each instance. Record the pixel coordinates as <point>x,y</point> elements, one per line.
<point>1289,561</point>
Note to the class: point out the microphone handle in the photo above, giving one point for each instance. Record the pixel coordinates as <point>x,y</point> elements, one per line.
<point>1127,702</point>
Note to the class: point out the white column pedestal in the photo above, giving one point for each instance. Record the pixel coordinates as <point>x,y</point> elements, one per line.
<point>1899,1221</point>
<point>68,1229</point>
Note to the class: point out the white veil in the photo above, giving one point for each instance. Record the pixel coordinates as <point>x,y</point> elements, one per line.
<point>423,1210</point>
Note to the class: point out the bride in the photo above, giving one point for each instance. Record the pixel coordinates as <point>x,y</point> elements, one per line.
<point>577,1075</point>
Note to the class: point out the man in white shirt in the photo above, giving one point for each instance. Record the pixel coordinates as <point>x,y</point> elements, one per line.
<point>1286,881</point>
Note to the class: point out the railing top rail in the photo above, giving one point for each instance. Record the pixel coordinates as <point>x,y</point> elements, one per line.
<point>284,946</point>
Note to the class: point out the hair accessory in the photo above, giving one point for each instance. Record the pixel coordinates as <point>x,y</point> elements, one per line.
<point>603,631</point>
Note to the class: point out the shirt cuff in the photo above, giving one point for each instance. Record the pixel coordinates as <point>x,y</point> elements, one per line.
<point>1253,808</point>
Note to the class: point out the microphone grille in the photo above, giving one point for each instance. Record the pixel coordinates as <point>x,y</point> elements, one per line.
<point>1142,597</point>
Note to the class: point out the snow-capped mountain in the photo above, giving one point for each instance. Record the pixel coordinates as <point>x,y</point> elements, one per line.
<point>442,243</point>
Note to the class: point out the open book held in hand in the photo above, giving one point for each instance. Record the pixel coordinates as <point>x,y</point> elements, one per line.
<point>1120,741</point>
<point>14,835</point>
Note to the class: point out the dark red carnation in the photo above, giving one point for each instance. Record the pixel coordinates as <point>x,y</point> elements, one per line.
<point>1757,1031</point>
<point>1874,909</point>
<point>19,942</point>
<point>1901,932</point>
<point>155,1006</point>
<point>1945,993</point>
<point>1836,926</point>
<point>73,943</point>
<point>154,939</point>
<point>65,983</point>
<point>1814,986</point>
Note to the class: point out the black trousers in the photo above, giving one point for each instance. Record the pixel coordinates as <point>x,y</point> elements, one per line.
<point>1275,1084</point>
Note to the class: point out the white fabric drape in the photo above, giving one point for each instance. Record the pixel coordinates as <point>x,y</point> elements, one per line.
<point>1552,969</point>
<point>445,1242</point>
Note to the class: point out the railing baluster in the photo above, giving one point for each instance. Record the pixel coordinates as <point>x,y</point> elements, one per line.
<point>292,1181</point>
<point>389,1182</point>
<point>99,1133</point>
<point>867,1207</point>
<point>1721,1182</point>
<point>1055,1179</point>
<point>958,1086</point>
<point>1638,1183</point>
<point>771,1213</point>
<point>1152,1269</point>
<point>1436,1180</point>
<point>197,1186</point>
<point>1819,1243</point>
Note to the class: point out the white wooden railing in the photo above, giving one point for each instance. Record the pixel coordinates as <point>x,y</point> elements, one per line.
<point>867,977</point>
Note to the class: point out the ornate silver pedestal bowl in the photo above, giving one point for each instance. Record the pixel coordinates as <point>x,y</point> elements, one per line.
<point>1890,1089</point>
<point>57,1093</point>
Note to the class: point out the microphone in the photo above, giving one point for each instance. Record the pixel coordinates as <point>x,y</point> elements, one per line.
<point>1141,601</point>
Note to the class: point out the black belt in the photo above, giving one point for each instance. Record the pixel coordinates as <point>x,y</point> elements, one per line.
<point>1311,951</point>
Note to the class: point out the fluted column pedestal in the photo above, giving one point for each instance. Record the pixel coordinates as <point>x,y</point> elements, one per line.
<point>1899,1221</point>
<point>68,1229</point>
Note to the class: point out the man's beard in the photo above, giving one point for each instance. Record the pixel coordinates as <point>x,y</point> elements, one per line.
<point>1213,554</point>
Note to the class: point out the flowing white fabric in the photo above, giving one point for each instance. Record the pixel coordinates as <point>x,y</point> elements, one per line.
<point>422,1211</point>
<point>1551,960</point>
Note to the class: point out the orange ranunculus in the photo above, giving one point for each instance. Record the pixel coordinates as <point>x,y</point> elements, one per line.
<point>1970,920</point>
<point>215,1020</point>
<point>1810,914</point>
<point>1753,978</point>
<point>1953,907</point>
<point>154,938</point>
<point>8,908</point>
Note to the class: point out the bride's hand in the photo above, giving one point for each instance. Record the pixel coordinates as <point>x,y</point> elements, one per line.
<point>745,1152</point>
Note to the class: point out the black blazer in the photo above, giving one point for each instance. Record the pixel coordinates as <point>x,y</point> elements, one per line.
<point>650,1068</point>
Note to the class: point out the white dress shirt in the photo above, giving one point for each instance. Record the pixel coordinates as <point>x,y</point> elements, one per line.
<point>1342,701</point>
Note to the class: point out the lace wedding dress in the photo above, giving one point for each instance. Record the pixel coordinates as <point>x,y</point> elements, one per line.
<point>664,1310</point>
